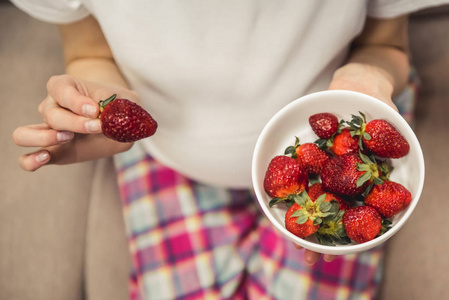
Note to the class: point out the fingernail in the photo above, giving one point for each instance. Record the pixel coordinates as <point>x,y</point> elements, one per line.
<point>310,263</point>
<point>328,259</point>
<point>42,157</point>
<point>93,126</point>
<point>89,110</point>
<point>64,136</point>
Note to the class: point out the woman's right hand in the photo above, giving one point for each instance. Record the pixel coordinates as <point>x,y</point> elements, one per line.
<point>70,131</point>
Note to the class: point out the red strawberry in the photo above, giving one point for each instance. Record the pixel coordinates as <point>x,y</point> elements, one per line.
<point>341,176</point>
<point>324,124</point>
<point>311,158</point>
<point>304,217</point>
<point>362,223</point>
<point>344,143</point>
<point>389,198</point>
<point>301,230</point>
<point>384,140</point>
<point>316,190</point>
<point>379,136</point>
<point>284,176</point>
<point>125,121</point>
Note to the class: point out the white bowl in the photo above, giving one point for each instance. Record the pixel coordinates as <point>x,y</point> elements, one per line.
<point>293,120</point>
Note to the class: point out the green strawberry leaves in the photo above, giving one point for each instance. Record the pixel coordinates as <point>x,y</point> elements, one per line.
<point>371,170</point>
<point>291,150</point>
<point>386,225</point>
<point>288,201</point>
<point>316,210</point>
<point>332,232</point>
<point>103,103</point>
<point>357,128</point>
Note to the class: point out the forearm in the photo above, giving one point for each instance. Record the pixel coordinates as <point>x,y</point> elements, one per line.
<point>378,63</point>
<point>99,70</point>
<point>87,54</point>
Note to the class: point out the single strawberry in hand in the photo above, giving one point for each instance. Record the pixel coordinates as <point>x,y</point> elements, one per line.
<point>362,223</point>
<point>316,190</point>
<point>324,124</point>
<point>284,176</point>
<point>125,121</point>
<point>310,157</point>
<point>379,136</point>
<point>304,217</point>
<point>389,198</point>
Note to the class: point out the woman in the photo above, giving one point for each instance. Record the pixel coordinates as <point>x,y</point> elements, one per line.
<point>212,73</point>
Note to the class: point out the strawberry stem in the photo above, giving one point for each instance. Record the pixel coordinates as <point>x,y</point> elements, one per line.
<point>105,102</point>
<point>291,150</point>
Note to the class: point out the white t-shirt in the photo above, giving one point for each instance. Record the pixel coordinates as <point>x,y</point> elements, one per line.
<point>212,73</point>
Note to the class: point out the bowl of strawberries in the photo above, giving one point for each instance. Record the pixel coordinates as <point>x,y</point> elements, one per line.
<point>338,172</point>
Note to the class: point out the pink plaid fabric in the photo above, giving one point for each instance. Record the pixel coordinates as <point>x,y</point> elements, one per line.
<point>192,241</point>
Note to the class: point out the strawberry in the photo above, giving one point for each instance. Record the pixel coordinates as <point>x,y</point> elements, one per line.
<point>341,176</point>
<point>389,198</point>
<point>125,121</point>
<point>324,124</point>
<point>384,140</point>
<point>379,136</point>
<point>316,190</point>
<point>301,230</point>
<point>284,176</point>
<point>350,174</point>
<point>304,217</point>
<point>310,157</point>
<point>362,223</point>
<point>344,143</point>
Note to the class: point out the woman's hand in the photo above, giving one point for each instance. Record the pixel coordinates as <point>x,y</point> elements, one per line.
<point>311,257</point>
<point>365,79</point>
<point>378,66</point>
<point>71,130</point>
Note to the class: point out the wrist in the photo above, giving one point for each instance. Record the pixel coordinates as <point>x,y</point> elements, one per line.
<point>364,78</point>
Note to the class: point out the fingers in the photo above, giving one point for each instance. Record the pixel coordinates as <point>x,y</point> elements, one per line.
<point>312,257</point>
<point>329,257</point>
<point>81,147</point>
<point>61,119</point>
<point>33,161</point>
<point>71,131</point>
<point>70,94</point>
<point>66,108</point>
<point>40,135</point>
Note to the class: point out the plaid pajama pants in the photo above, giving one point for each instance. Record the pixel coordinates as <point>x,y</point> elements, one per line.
<point>193,241</point>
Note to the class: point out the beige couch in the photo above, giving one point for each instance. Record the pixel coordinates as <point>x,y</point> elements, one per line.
<point>60,240</point>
